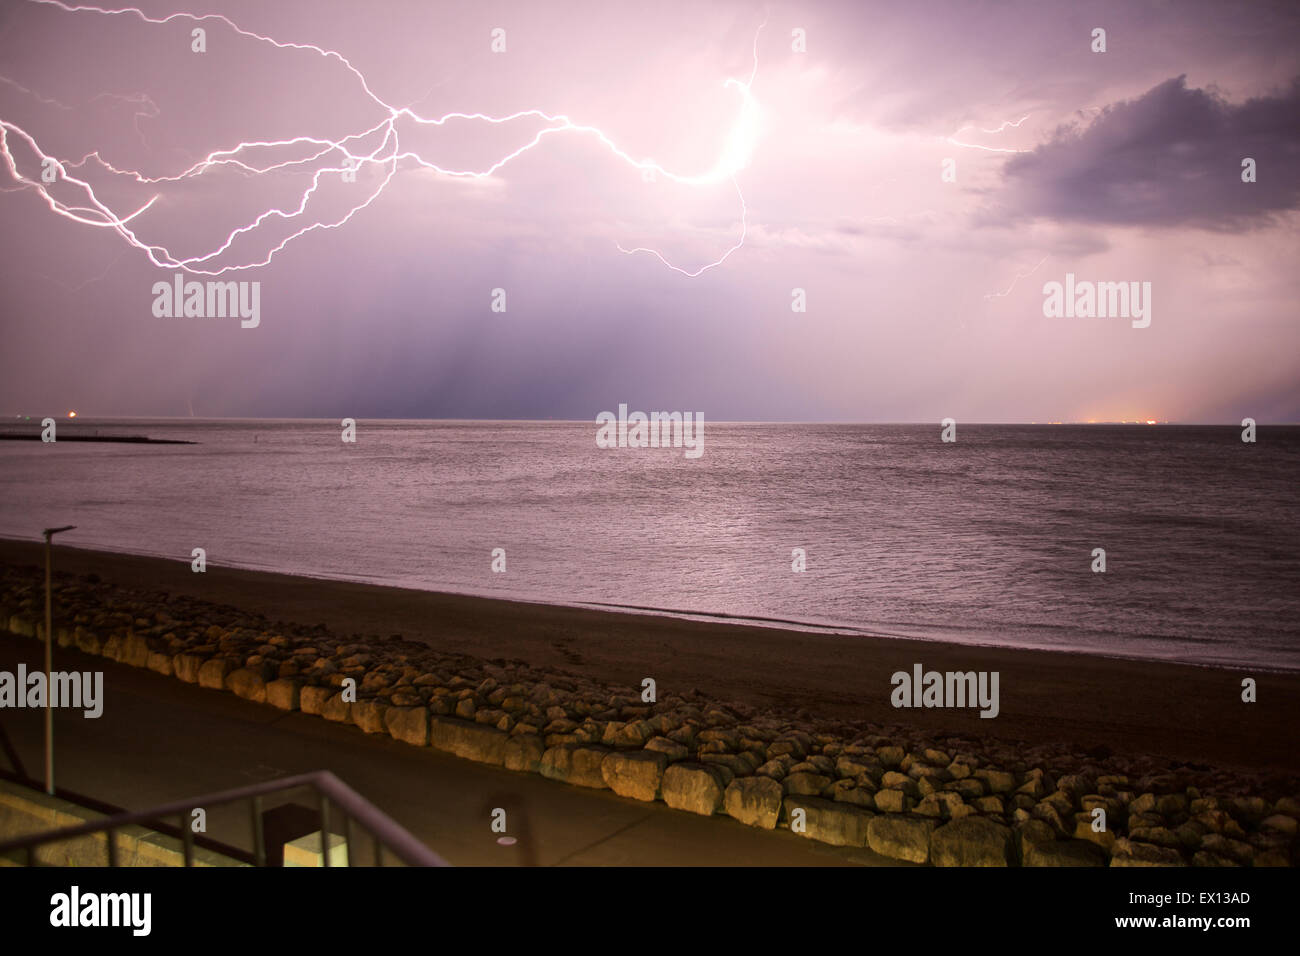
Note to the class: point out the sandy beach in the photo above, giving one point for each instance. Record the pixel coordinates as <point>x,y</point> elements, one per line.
<point>1090,704</point>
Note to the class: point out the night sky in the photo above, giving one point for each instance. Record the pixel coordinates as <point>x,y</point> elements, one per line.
<point>924,297</point>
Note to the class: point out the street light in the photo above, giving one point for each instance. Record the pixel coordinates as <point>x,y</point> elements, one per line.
<point>49,664</point>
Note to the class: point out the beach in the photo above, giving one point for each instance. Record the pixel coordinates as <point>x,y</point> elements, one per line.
<point>1083,703</point>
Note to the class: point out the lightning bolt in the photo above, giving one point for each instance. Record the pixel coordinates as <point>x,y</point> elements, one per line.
<point>990,149</point>
<point>1019,276</point>
<point>388,156</point>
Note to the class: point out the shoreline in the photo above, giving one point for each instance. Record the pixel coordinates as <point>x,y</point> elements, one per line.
<point>678,614</point>
<point>1180,711</point>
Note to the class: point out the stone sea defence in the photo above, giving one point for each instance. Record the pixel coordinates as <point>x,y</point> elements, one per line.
<point>941,800</point>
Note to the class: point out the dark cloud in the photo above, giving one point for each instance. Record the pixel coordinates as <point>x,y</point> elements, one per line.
<point>1173,156</point>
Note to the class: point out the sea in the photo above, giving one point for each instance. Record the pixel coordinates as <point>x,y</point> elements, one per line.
<point>988,540</point>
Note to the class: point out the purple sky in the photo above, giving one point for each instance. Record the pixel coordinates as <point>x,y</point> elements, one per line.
<point>1120,166</point>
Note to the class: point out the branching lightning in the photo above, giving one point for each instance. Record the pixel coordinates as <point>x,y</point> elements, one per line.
<point>990,149</point>
<point>341,155</point>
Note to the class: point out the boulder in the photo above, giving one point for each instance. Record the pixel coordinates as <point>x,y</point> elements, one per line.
<point>186,667</point>
<point>476,742</point>
<point>312,698</point>
<point>337,709</point>
<point>892,801</point>
<point>524,752</point>
<point>900,837</point>
<point>1064,853</point>
<point>248,684</point>
<point>695,787</point>
<point>755,801</point>
<point>806,784</point>
<point>283,694</point>
<point>1128,853</point>
<point>635,774</point>
<point>369,714</point>
<point>410,725</point>
<point>669,748</point>
<point>839,824</point>
<point>971,841</point>
<point>160,663</point>
<point>212,673</point>
<point>135,650</point>
<point>577,764</point>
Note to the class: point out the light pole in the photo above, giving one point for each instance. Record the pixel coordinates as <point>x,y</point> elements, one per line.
<point>49,664</point>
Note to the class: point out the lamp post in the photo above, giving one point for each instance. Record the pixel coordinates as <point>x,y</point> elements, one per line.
<point>49,663</point>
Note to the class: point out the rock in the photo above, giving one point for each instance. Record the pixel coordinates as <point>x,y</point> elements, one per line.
<point>900,837</point>
<point>890,756</point>
<point>248,684</point>
<point>135,651</point>
<point>1128,853</point>
<point>635,774</point>
<point>1249,810</point>
<point>1280,822</point>
<point>524,753</point>
<point>1205,858</point>
<point>1161,836</point>
<point>312,699</point>
<point>858,796</point>
<point>1290,806</point>
<point>160,663</point>
<point>1143,804</point>
<point>669,748</point>
<point>1064,853</point>
<point>892,801</point>
<point>476,742</point>
<point>186,667</point>
<point>1083,831</point>
<point>337,709</point>
<point>826,821</point>
<point>998,781</point>
<point>738,765</point>
<point>1225,846</point>
<point>755,801</point>
<point>283,694</point>
<point>576,764</point>
<point>695,787</point>
<point>990,805</point>
<point>805,783</point>
<point>1031,833</point>
<point>852,766</point>
<point>971,841</point>
<point>212,673</point>
<point>369,714</point>
<point>410,725</point>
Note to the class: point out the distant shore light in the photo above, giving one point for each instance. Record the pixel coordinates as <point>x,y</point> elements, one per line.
<point>72,414</point>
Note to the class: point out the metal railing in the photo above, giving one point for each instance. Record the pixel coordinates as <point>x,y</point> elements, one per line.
<point>331,793</point>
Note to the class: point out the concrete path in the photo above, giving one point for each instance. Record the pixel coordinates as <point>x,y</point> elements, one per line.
<point>161,740</point>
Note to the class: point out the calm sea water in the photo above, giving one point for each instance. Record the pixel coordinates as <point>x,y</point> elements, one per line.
<point>988,540</point>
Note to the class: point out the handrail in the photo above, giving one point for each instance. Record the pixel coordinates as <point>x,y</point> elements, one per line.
<point>380,826</point>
